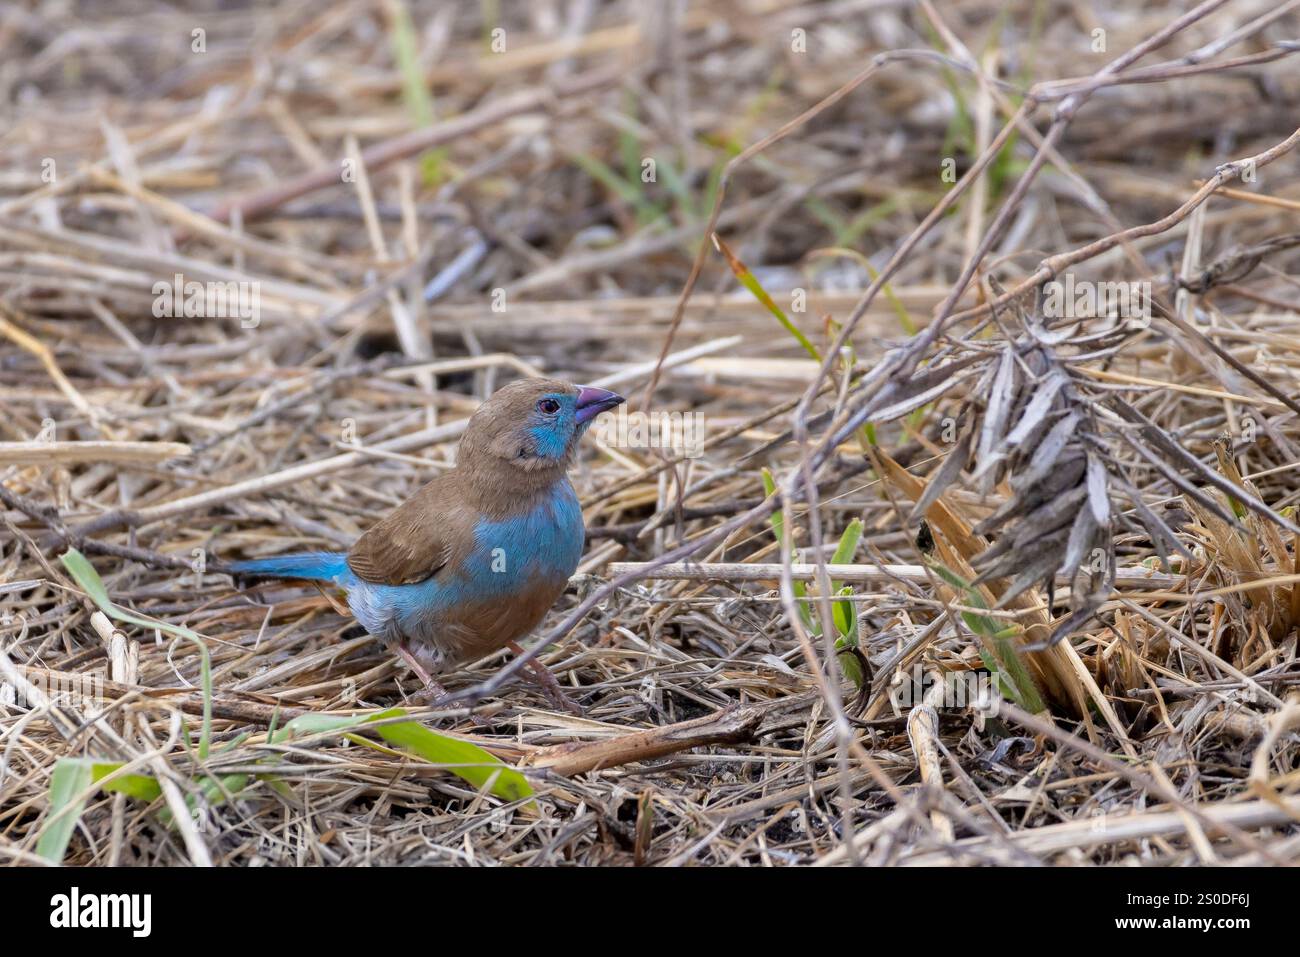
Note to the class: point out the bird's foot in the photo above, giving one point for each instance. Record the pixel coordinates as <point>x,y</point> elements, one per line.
<point>549,685</point>
<point>433,693</point>
<point>556,696</point>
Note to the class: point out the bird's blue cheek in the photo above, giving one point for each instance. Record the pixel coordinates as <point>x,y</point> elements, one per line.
<point>551,441</point>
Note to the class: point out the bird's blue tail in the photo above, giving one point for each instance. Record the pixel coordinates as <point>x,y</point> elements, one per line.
<point>313,566</point>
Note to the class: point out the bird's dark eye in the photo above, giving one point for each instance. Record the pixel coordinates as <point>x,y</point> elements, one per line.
<point>548,406</point>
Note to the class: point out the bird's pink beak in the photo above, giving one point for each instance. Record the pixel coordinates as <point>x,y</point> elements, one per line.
<point>592,401</point>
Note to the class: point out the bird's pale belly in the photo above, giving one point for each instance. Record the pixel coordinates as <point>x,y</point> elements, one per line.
<point>498,593</point>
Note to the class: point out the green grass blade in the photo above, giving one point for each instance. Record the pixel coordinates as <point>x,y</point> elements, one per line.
<point>629,191</point>
<point>778,517</point>
<point>415,91</point>
<point>69,782</point>
<point>306,724</point>
<point>84,574</point>
<point>778,526</point>
<point>680,191</point>
<point>750,282</point>
<point>904,317</point>
<point>406,54</point>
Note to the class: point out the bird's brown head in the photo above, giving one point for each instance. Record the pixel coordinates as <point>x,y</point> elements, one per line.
<point>532,425</point>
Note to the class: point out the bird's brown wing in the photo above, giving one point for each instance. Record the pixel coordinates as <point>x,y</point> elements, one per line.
<point>415,541</point>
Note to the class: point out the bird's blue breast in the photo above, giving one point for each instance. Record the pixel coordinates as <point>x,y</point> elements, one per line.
<point>544,540</point>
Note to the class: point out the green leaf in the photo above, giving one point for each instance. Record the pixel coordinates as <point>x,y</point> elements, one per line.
<point>465,760</point>
<point>846,617</point>
<point>71,779</point>
<point>777,518</point>
<point>1012,675</point>
<point>462,758</point>
<point>69,782</point>
<point>84,574</point>
<point>306,724</point>
<point>813,625</point>
<point>852,668</point>
<point>142,787</point>
<point>216,791</point>
<point>1000,681</point>
<point>848,546</point>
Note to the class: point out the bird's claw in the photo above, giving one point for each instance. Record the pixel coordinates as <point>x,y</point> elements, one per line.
<point>548,683</point>
<point>561,700</point>
<point>435,695</point>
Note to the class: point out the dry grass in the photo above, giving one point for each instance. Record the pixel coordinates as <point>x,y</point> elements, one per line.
<point>719,728</point>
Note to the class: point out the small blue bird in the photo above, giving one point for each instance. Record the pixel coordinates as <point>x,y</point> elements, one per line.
<point>472,561</point>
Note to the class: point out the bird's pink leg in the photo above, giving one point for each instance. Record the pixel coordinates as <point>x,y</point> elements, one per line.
<point>433,690</point>
<point>550,687</point>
